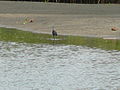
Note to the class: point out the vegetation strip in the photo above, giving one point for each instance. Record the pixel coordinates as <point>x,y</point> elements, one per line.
<point>14,35</point>
<point>74,1</point>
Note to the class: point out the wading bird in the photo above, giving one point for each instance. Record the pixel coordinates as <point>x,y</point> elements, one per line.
<point>54,33</point>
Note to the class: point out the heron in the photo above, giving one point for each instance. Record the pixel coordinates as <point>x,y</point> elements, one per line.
<point>54,33</point>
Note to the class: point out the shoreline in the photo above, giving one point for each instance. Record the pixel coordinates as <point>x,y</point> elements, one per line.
<point>91,36</point>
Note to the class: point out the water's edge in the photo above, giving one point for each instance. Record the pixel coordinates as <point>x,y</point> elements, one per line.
<point>15,35</point>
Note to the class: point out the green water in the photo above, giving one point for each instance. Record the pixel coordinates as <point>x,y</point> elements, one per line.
<point>14,35</point>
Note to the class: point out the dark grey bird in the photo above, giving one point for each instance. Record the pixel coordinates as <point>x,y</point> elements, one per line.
<point>54,33</point>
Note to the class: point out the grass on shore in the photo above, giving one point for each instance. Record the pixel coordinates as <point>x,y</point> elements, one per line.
<point>14,35</point>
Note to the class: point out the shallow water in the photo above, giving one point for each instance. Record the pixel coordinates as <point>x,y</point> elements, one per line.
<point>57,67</point>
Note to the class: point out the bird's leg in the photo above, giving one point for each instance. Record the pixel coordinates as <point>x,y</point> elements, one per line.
<point>53,40</point>
<point>54,37</point>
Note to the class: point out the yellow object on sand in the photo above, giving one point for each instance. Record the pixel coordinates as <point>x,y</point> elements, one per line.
<point>25,22</point>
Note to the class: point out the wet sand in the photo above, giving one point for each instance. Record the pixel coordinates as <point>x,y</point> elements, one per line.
<point>68,19</point>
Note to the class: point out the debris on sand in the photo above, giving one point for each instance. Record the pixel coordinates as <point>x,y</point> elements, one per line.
<point>28,20</point>
<point>114,29</point>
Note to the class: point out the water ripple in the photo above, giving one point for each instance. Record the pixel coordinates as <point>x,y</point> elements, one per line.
<point>57,67</point>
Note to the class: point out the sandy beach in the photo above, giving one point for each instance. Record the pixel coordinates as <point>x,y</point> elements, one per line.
<point>68,19</point>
